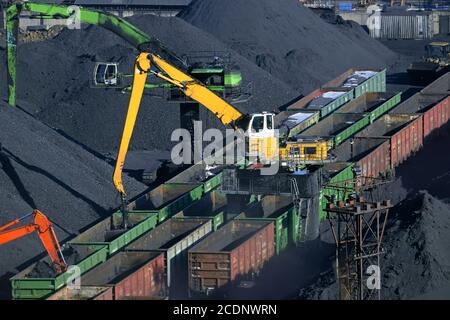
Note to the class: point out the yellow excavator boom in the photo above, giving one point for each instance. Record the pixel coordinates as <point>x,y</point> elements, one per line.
<point>190,87</point>
<point>195,90</point>
<point>141,68</point>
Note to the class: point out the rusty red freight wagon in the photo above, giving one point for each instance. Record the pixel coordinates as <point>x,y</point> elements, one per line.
<point>371,155</point>
<point>174,237</point>
<point>439,86</point>
<point>405,132</point>
<point>130,274</point>
<point>238,249</point>
<point>84,293</point>
<point>435,109</point>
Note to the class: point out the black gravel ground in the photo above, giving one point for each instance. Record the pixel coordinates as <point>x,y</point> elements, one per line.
<point>289,40</point>
<point>39,168</point>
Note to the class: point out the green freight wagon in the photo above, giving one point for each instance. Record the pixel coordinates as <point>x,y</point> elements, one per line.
<point>281,211</point>
<point>212,205</point>
<point>325,100</point>
<point>217,204</point>
<point>108,232</point>
<point>375,104</point>
<point>337,184</point>
<point>200,173</point>
<point>291,122</point>
<point>168,199</point>
<point>337,128</point>
<point>39,281</point>
<point>360,80</point>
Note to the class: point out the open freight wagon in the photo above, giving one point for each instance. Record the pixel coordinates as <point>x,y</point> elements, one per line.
<point>126,275</point>
<point>213,204</point>
<point>145,212</point>
<point>360,80</point>
<point>109,233</point>
<point>375,104</point>
<point>236,251</point>
<point>84,293</point>
<point>168,199</point>
<point>439,86</point>
<point>281,211</point>
<point>336,184</point>
<point>434,108</point>
<point>405,132</point>
<point>325,101</point>
<point>336,128</point>
<point>292,122</point>
<point>210,177</point>
<point>39,280</point>
<point>173,237</point>
<point>372,156</point>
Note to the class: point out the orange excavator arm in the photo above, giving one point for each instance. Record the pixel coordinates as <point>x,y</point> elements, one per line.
<point>46,234</point>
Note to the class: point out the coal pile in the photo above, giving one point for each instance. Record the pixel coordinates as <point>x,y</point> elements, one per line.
<point>39,168</point>
<point>56,76</point>
<point>289,40</point>
<point>417,262</point>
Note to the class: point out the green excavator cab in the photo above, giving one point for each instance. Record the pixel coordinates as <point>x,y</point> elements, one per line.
<point>217,71</point>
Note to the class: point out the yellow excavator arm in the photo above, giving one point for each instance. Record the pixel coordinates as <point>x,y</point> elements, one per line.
<point>192,88</point>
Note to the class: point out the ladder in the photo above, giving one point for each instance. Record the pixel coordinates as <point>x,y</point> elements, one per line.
<point>302,215</point>
<point>297,201</point>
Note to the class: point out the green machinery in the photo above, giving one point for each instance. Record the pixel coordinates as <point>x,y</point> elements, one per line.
<point>216,73</point>
<point>435,63</point>
<point>214,69</point>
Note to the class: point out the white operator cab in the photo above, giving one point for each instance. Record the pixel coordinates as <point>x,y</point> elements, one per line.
<point>106,74</point>
<point>261,134</point>
<point>261,125</point>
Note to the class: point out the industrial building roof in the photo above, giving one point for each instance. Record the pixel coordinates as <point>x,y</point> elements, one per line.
<point>150,3</point>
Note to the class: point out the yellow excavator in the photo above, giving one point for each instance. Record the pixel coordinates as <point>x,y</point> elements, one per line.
<point>263,144</point>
